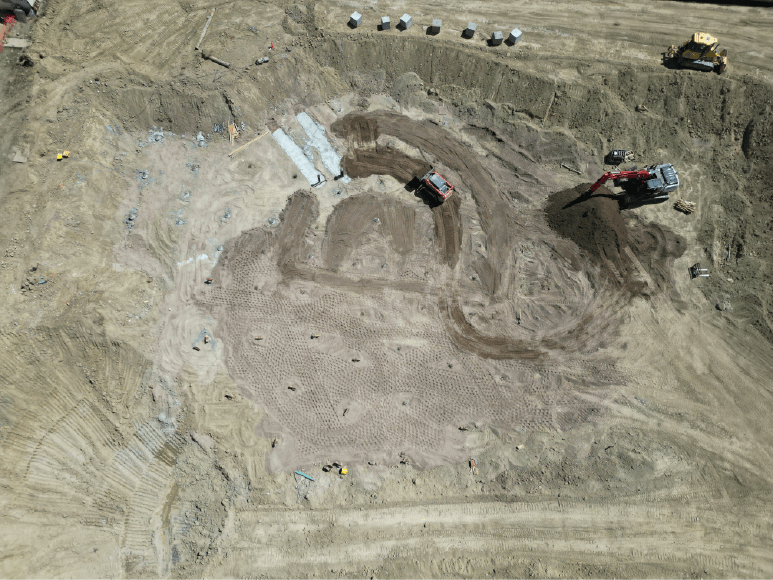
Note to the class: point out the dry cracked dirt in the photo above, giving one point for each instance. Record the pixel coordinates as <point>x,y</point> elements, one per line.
<point>521,381</point>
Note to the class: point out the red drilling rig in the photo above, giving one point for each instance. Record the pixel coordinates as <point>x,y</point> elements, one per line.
<point>654,182</point>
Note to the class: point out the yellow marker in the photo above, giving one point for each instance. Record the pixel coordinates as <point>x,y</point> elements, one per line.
<point>344,471</point>
<point>58,156</point>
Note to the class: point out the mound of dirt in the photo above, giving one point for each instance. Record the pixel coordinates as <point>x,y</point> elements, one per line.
<point>595,224</point>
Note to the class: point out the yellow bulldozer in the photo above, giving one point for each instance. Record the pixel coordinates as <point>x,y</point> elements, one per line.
<point>701,52</point>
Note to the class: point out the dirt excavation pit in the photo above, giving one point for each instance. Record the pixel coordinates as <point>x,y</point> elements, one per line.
<point>505,375</point>
<point>370,342</point>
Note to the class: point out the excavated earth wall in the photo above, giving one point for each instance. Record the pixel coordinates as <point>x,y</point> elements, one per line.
<point>680,116</point>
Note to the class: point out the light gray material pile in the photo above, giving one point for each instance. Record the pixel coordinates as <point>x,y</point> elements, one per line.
<point>296,154</point>
<point>316,133</point>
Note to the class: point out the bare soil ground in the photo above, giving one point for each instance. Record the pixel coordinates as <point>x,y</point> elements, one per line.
<point>521,381</point>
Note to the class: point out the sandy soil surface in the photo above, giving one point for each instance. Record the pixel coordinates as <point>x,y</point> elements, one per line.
<point>521,381</point>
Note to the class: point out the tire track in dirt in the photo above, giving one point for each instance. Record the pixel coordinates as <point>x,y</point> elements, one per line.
<point>72,452</point>
<point>384,161</point>
<point>387,161</point>
<point>518,534</point>
<point>471,339</point>
<point>300,212</point>
<point>359,216</point>
<point>501,226</point>
<point>495,212</point>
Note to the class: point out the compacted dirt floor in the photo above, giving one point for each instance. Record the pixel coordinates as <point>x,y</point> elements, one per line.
<point>521,381</point>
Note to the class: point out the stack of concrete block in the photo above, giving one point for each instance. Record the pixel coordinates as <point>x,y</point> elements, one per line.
<point>469,32</point>
<point>355,19</point>
<point>406,21</point>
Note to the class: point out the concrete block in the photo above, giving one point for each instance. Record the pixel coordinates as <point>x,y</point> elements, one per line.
<point>497,38</point>
<point>406,21</point>
<point>436,24</point>
<point>355,19</point>
<point>386,24</point>
<point>515,36</point>
<point>16,42</point>
<point>469,32</point>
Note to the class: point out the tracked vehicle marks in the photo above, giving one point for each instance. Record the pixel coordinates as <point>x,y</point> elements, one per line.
<point>350,381</point>
<point>67,448</point>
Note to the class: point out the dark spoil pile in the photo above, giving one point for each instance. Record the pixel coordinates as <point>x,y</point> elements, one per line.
<point>595,224</point>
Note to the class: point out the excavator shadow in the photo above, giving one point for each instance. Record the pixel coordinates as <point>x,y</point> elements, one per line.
<point>625,200</point>
<point>587,196</point>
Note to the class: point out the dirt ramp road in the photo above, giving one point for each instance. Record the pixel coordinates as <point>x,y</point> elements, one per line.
<point>559,302</point>
<point>436,141</point>
<point>384,161</point>
<point>495,213</point>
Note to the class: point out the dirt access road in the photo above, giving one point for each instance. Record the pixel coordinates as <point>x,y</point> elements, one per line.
<point>519,384</point>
